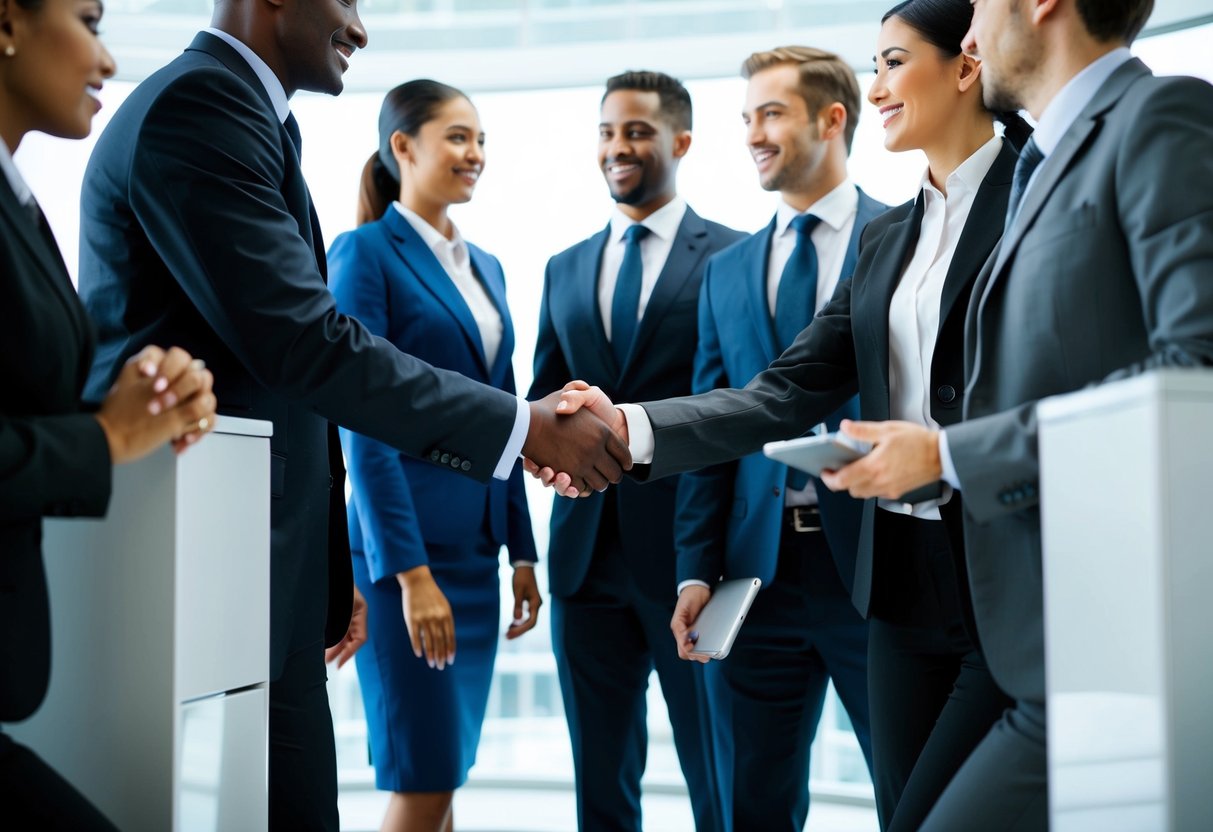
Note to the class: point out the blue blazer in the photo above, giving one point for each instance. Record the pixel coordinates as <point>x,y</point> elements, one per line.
<point>729,516</point>
<point>386,276</point>
<point>573,344</point>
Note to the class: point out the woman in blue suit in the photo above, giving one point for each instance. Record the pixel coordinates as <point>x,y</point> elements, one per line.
<point>425,540</point>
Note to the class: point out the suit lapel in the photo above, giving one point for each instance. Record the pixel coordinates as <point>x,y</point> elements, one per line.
<point>587,271</point>
<point>756,291</point>
<point>493,282</point>
<point>981,231</point>
<point>686,252</point>
<point>418,259</point>
<point>43,250</point>
<point>881,281</point>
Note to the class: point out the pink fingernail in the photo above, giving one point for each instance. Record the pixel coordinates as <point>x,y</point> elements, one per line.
<point>160,385</point>
<point>153,407</point>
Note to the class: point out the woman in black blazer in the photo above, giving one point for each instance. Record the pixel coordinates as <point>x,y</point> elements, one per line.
<point>894,332</point>
<point>56,453</point>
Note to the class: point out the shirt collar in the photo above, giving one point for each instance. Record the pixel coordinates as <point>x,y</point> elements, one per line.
<point>431,236</point>
<point>1074,97</point>
<point>834,209</point>
<point>15,181</point>
<point>282,105</point>
<point>663,222</point>
<point>971,172</point>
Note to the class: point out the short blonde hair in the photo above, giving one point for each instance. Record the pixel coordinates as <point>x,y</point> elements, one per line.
<point>824,79</point>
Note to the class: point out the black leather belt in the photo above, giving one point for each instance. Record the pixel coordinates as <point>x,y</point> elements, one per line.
<point>802,519</point>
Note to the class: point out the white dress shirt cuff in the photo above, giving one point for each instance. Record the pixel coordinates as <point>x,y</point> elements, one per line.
<point>513,447</point>
<point>641,442</point>
<point>945,462</point>
<point>518,564</point>
<point>692,582</point>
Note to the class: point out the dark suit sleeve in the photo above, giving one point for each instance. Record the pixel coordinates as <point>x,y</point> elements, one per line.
<point>53,466</point>
<point>705,496</point>
<point>551,367</point>
<point>813,378</point>
<point>207,187</point>
<point>1165,211</point>
<point>391,531</point>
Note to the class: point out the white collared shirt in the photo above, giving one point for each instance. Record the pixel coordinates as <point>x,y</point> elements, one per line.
<point>277,93</point>
<point>914,307</point>
<point>15,181</point>
<point>453,256</point>
<point>837,211</point>
<point>654,251</point>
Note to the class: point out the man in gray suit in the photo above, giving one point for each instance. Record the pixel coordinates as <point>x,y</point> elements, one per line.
<point>1105,271</point>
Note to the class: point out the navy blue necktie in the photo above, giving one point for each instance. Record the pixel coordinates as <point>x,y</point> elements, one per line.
<point>626,302</point>
<point>796,302</point>
<point>1030,158</point>
<point>292,130</point>
<point>796,298</point>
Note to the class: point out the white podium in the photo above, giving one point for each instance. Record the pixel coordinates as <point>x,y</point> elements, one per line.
<point>1126,481</point>
<point>159,702</point>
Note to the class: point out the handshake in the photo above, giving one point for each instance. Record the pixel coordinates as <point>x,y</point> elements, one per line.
<point>578,441</point>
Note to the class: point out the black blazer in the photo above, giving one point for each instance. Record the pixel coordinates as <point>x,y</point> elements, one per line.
<point>54,459</point>
<point>197,229</point>
<point>847,341</point>
<point>572,344</point>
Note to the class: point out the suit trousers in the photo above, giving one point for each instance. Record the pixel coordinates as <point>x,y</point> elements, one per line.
<point>932,696</point>
<point>34,796</point>
<point>766,697</point>
<point>303,753</point>
<point>608,638</point>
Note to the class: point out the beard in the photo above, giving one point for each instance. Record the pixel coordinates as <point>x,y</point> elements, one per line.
<point>635,196</point>
<point>998,97</point>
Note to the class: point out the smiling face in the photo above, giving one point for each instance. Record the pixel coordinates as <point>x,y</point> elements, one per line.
<point>316,39</point>
<point>783,136</point>
<point>917,88</point>
<point>50,83</point>
<point>442,163</point>
<point>639,149</point>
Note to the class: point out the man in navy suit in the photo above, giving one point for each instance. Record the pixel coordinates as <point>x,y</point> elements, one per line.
<point>197,228</point>
<point>753,518</point>
<point>619,311</point>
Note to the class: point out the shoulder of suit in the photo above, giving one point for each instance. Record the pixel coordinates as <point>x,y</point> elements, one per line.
<point>560,262</point>
<point>743,245</point>
<point>723,234</point>
<point>477,251</point>
<point>879,224</point>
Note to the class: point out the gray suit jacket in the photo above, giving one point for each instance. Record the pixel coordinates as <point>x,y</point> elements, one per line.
<point>1107,272</point>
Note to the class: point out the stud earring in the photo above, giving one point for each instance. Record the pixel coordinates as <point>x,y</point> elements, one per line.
<point>10,51</point>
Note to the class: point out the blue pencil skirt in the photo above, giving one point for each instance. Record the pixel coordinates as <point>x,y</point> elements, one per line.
<point>424,724</point>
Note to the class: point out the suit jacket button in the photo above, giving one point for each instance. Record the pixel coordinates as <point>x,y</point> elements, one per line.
<point>434,456</point>
<point>946,393</point>
<point>445,459</point>
<point>466,466</point>
<point>455,461</point>
<point>775,491</point>
<point>1004,498</point>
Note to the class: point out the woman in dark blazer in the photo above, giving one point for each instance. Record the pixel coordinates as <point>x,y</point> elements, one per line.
<point>894,333</point>
<point>426,540</point>
<point>56,454</point>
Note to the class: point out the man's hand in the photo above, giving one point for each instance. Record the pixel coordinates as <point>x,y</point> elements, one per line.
<point>904,457</point>
<point>580,445</point>
<point>355,636</point>
<point>575,396</point>
<point>526,601</point>
<point>691,602</point>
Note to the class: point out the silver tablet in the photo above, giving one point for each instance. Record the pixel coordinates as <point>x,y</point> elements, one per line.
<point>815,454</point>
<point>720,620</point>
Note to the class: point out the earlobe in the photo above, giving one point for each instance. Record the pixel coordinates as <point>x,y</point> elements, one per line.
<point>970,71</point>
<point>1041,9</point>
<point>682,143</point>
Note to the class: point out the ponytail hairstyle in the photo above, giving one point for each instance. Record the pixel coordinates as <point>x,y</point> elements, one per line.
<point>944,24</point>
<point>405,109</point>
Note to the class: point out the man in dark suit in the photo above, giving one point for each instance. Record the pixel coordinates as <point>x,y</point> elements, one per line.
<point>753,517</point>
<point>1103,273</point>
<point>197,228</point>
<point>619,311</point>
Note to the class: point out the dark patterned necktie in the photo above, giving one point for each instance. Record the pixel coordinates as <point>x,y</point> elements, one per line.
<point>1029,160</point>
<point>626,301</point>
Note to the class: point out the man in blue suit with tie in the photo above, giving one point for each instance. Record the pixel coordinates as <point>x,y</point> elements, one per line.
<point>619,311</point>
<point>755,517</point>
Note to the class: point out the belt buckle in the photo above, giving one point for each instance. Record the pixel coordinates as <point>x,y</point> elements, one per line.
<point>801,518</point>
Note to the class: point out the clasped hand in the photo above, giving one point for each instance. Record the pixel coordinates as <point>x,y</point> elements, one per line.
<point>580,438</point>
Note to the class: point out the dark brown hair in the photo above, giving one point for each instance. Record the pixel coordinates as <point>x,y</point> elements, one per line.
<point>825,78</point>
<point>675,101</point>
